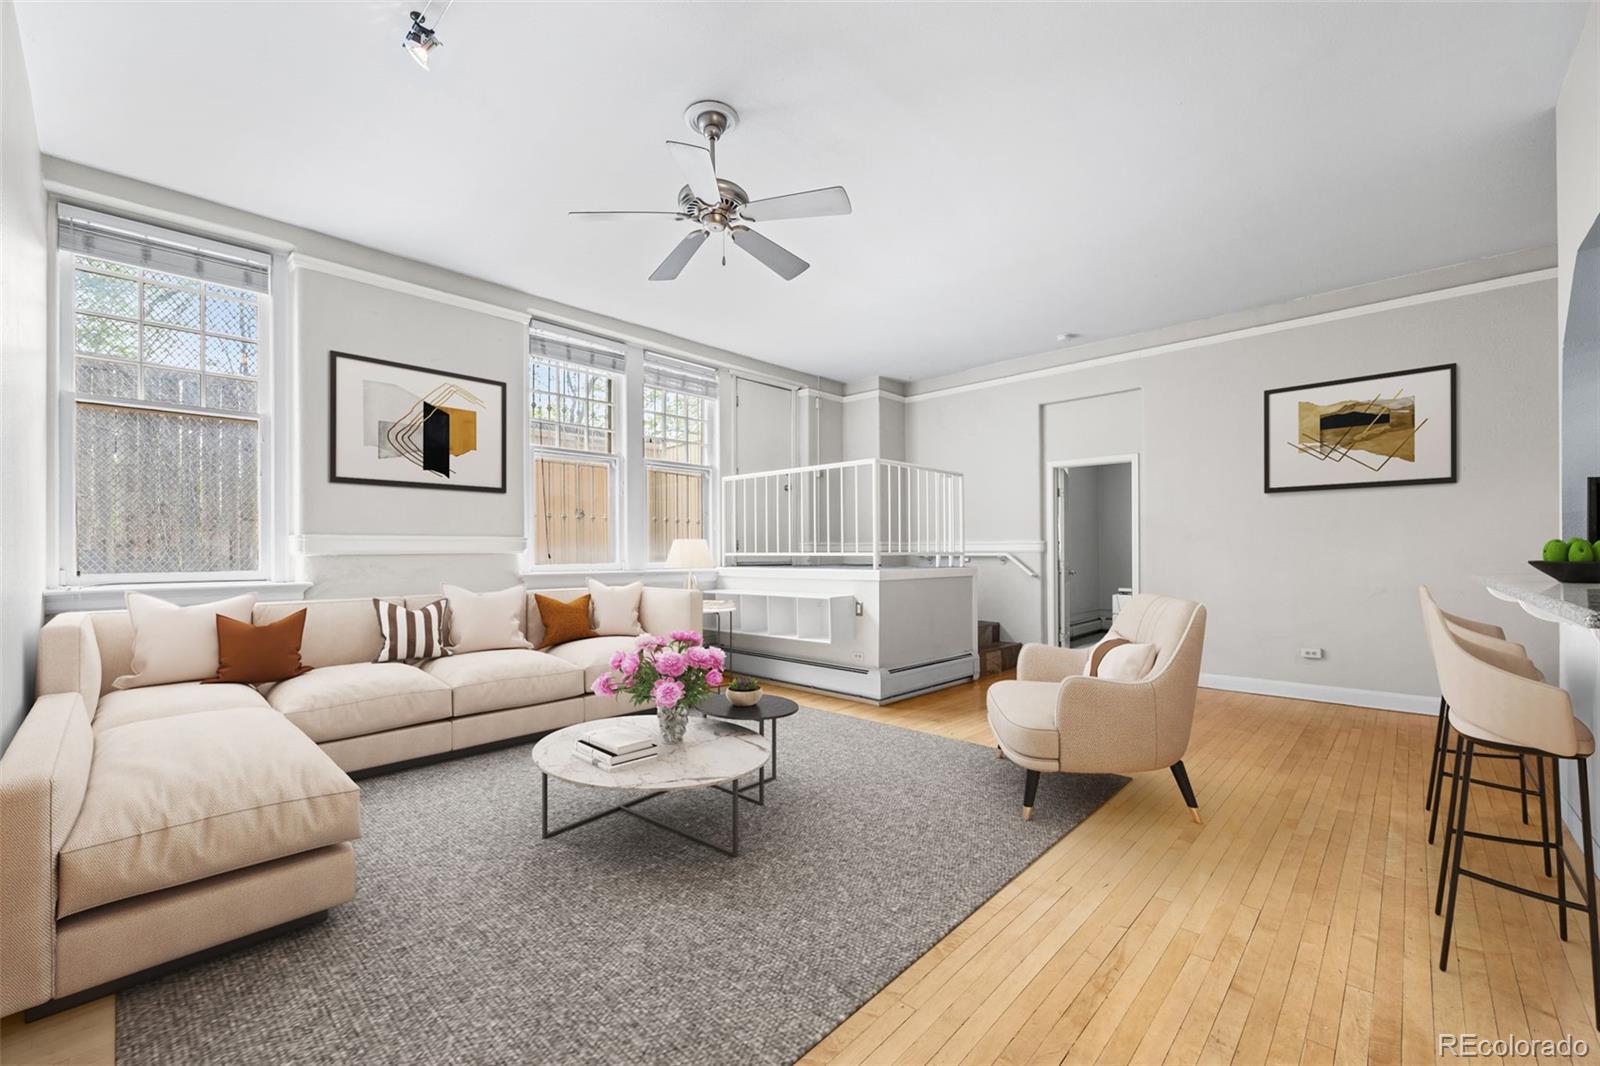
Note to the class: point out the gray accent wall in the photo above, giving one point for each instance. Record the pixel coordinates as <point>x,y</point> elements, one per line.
<point>24,400</point>
<point>1578,265</point>
<point>410,312</point>
<point>1337,570</point>
<point>340,314</point>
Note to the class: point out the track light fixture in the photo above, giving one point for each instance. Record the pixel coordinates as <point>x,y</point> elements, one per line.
<point>420,39</point>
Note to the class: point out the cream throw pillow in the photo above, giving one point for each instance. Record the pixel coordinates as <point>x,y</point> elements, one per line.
<point>615,609</point>
<point>1127,662</point>
<point>172,643</point>
<point>484,621</point>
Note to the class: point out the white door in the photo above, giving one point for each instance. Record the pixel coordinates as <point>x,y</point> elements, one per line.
<point>763,427</point>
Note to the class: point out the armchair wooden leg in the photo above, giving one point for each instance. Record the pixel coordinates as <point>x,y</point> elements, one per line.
<point>1029,791</point>
<point>1181,775</point>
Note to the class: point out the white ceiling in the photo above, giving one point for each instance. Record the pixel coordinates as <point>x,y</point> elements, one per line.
<point>1018,171</point>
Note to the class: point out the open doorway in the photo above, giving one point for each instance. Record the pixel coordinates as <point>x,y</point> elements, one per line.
<point>1093,552</point>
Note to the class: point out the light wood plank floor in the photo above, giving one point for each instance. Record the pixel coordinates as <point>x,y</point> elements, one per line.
<point>1295,925</point>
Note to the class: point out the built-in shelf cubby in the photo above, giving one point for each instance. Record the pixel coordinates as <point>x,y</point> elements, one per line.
<point>817,617</point>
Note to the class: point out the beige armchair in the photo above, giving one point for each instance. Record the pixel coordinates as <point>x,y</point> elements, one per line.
<point>1052,719</point>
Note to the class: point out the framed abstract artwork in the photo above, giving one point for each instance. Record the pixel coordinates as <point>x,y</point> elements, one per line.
<point>1353,433</point>
<point>393,424</point>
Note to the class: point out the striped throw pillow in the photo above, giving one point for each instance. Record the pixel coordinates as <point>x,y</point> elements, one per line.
<point>409,636</point>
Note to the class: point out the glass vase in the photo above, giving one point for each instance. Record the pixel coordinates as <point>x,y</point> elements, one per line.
<point>672,721</point>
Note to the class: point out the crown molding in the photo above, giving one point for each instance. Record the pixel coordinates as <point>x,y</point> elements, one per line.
<point>299,261</point>
<point>1432,296</point>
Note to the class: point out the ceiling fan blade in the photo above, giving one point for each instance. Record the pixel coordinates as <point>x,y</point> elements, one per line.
<point>830,201</point>
<point>625,216</point>
<point>695,162</point>
<point>674,263</point>
<point>781,261</point>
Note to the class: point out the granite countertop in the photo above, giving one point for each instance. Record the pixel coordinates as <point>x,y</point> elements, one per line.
<point>1573,605</point>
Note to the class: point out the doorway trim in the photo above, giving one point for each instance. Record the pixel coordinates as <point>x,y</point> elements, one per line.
<point>1052,578</point>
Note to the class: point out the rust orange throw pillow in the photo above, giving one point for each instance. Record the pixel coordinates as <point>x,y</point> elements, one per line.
<point>253,655</point>
<point>563,621</point>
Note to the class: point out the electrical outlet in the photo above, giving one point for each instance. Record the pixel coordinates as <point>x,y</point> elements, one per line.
<point>1311,653</point>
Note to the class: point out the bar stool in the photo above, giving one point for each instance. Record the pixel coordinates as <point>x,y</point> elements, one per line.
<point>1492,639</point>
<point>1493,705</point>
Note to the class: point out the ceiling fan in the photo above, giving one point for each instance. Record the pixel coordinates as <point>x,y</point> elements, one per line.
<point>717,205</point>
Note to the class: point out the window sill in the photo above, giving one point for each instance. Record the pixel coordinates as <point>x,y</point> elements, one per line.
<point>183,593</point>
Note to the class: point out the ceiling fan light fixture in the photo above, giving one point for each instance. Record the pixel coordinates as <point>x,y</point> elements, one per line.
<point>420,40</point>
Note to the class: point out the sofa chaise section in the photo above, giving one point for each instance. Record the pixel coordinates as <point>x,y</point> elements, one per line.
<point>132,847</point>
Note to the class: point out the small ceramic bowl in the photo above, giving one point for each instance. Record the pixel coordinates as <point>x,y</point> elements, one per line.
<point>744,699</point>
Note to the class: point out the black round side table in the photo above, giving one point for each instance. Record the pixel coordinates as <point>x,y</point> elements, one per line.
<point>767,709</point>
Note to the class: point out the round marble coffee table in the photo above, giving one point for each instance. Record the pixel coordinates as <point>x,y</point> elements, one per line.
<point>712,752</point>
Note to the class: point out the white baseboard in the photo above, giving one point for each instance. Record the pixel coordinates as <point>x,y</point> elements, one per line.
<point>1297,690</point>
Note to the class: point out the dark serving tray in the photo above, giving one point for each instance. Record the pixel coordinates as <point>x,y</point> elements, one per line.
<point>1569,573</point>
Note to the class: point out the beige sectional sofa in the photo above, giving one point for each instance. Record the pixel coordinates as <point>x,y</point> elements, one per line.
<point>142,826</point>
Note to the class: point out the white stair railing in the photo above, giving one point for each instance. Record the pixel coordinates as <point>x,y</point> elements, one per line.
<point>862,511</point>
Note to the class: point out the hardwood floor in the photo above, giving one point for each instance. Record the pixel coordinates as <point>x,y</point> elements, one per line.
<point>1295,925</point>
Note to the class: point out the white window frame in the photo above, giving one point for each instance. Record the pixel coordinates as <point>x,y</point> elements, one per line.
<point>707,470</point>
<point>63,307</point>
<point>630,503</point>
<point>618,518</point>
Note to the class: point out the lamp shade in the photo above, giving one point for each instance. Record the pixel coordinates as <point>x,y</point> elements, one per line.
<point>690,555</point>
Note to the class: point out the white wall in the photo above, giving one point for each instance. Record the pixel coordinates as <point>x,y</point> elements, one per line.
<point>1338,570</point>
<point>23,397</point>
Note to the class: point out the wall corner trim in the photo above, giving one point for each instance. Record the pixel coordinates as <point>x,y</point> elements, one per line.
<point>1298,690</point>
<point>297,261</point>
<point>380,544</point>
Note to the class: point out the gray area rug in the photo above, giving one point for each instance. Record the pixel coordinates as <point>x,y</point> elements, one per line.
<point>472,940</point>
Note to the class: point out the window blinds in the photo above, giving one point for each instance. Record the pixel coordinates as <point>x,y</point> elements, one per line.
<point>675,375</point>
<point>565,346</point>
<point>123,240</point>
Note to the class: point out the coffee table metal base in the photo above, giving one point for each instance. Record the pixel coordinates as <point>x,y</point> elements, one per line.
<point>731,850</point>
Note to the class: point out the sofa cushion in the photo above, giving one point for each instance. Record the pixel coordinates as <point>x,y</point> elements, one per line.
<point>615,608</point>
<point>334,702</point>
<point>509,677</point>
<point>173,643</point>
<point>124,706</point>
<point>485,621</point>
<point>1023,717</point>
<point>173,800</point>
<point>593,654</point>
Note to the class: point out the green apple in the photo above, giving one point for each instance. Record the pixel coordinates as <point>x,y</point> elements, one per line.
<point>1579,551</point>
<point>1555,551</point>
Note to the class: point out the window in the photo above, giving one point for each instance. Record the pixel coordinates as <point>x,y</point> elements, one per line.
<point>679,413</point>
<point>164,350</point>
<point>574,390</point>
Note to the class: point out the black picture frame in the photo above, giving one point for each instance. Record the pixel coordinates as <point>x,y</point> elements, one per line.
<point>333,425</point>
<point>1266,433</point>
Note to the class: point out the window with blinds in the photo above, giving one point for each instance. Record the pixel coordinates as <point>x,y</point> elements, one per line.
<point>167,339</point>
<point>678,420</point>
<point>574,390</point>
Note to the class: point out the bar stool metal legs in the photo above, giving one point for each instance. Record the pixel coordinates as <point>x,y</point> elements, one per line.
<point>1456,833</point>
<point>1441,747</point>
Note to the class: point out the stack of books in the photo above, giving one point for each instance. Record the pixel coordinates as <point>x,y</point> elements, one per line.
<point>610,747</point>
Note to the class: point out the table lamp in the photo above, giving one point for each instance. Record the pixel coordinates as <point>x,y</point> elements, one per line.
<point>690,555</point>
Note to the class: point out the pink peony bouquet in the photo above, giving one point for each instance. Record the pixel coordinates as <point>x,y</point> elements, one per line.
<point>668,672</point>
